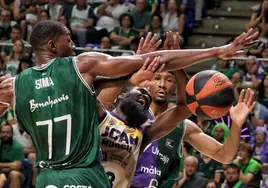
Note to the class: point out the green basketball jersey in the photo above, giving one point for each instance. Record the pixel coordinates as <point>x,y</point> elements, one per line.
<point>59,110</point>
<point>159,163</point>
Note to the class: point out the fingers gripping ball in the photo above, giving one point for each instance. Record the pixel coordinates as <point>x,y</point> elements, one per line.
<point>209,94</point>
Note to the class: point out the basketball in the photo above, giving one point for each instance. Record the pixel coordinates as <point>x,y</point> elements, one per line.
<point>209,94</point>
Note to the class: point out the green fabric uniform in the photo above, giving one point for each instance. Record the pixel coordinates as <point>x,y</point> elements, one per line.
<point>227,72</point>
<point>253,168</point>
<point>141,20</point>
<point>130,33</point>
<point>58,109</point>
<point>13,153</point>
<point>161,157</point>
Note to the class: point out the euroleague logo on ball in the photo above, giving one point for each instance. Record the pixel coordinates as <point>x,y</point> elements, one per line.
<point>220,80</point>
<point>215,112</point>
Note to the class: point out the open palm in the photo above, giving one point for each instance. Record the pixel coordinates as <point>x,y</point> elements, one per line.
<point>144,77</point>
<point>241,110</point>
<point>234,49</point>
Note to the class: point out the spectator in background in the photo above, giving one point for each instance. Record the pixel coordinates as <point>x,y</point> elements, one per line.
<point>223,67</point>
<point>6,3</point>
<point>264,54</point>
<point>209,168</point>
<point>151,6</point>
<point>124,34</point>
<point>43,15</point>
<point>82,18</point>
<point>250,173</point>
<point>25,63</point>
<point>220,132</point>
<point>254,74</point>
<point>256,18</point>
<point>134,43</point>
<point>21,8</point>
<point>173,19</point>
<point>6,24</point>
<point>54,10</point>
<point>12,156</point>
<point>15,35</point>
<point>190,177</point>
<point>259,114</point>
<point>236,80</point>
<point>263,92</point>
<point>30,20</point>
<point>156,26</point>
<point>205,125</point>
<point>212,184</point>
<point>259,144</point>
<point>141,17</point>
<point>105,44</point>
<point>108,15</point>
<point>65,21</point>
<point>2,68</point>
<point>232,174</point>
<point>13,61</point>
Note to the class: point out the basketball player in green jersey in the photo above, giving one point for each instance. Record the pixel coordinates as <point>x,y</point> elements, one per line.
<point>159,156</point>
<point>55,100</point>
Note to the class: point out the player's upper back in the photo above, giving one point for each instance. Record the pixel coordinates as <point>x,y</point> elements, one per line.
<point>58,109</point>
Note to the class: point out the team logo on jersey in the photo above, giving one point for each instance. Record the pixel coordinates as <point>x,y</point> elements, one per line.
<point>51,186</point>
<point>170,143</point>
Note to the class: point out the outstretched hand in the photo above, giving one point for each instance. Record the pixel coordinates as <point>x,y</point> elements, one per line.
<point>235,48</point>
<point>144,77</point>
<point>148,44</point>
<point>171,43</point>
<point>241,110</point>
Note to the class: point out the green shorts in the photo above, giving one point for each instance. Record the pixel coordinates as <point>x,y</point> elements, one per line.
<point>92,177</point>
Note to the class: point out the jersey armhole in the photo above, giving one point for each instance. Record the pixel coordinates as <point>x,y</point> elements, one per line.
<point>106,118</point>
<point>180,149</point>
<point>81,77</point>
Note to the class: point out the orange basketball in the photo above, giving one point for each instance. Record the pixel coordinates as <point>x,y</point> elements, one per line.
<point>209,94</point>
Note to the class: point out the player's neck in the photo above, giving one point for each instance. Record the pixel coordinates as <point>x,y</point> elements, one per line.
<point>121,116</point>
<point>42,58</point>
<point>158,109</point>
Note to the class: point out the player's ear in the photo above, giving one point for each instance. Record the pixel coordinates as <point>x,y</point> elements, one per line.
<point>52,46</point>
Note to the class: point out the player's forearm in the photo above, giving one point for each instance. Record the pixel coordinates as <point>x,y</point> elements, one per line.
<point>230,146</point>
<point>168,121</point>
<point>182,79</point>
<point>179,59</point>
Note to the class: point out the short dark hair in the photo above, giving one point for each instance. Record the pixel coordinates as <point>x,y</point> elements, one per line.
<point>44,31</point>
<point>7,125</point>
<point>16,27</point>
<point>126,15</point>
<point>245,146</point>
<point>233,166</point>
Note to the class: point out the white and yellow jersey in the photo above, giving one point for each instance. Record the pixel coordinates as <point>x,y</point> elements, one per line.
<point>120,145</point>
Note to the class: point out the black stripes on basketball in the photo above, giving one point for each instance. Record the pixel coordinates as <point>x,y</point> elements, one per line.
<point>201,79</point>
<point>221,98</point>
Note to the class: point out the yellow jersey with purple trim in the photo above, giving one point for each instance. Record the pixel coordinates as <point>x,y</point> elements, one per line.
<point>120,146</point>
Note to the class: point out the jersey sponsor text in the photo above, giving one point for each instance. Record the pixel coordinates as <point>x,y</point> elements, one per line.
<point>50,102</point>
<point>43,82</point>
<point>115,135</point>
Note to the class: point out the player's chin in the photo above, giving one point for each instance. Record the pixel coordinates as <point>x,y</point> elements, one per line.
<point>161,99</point>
